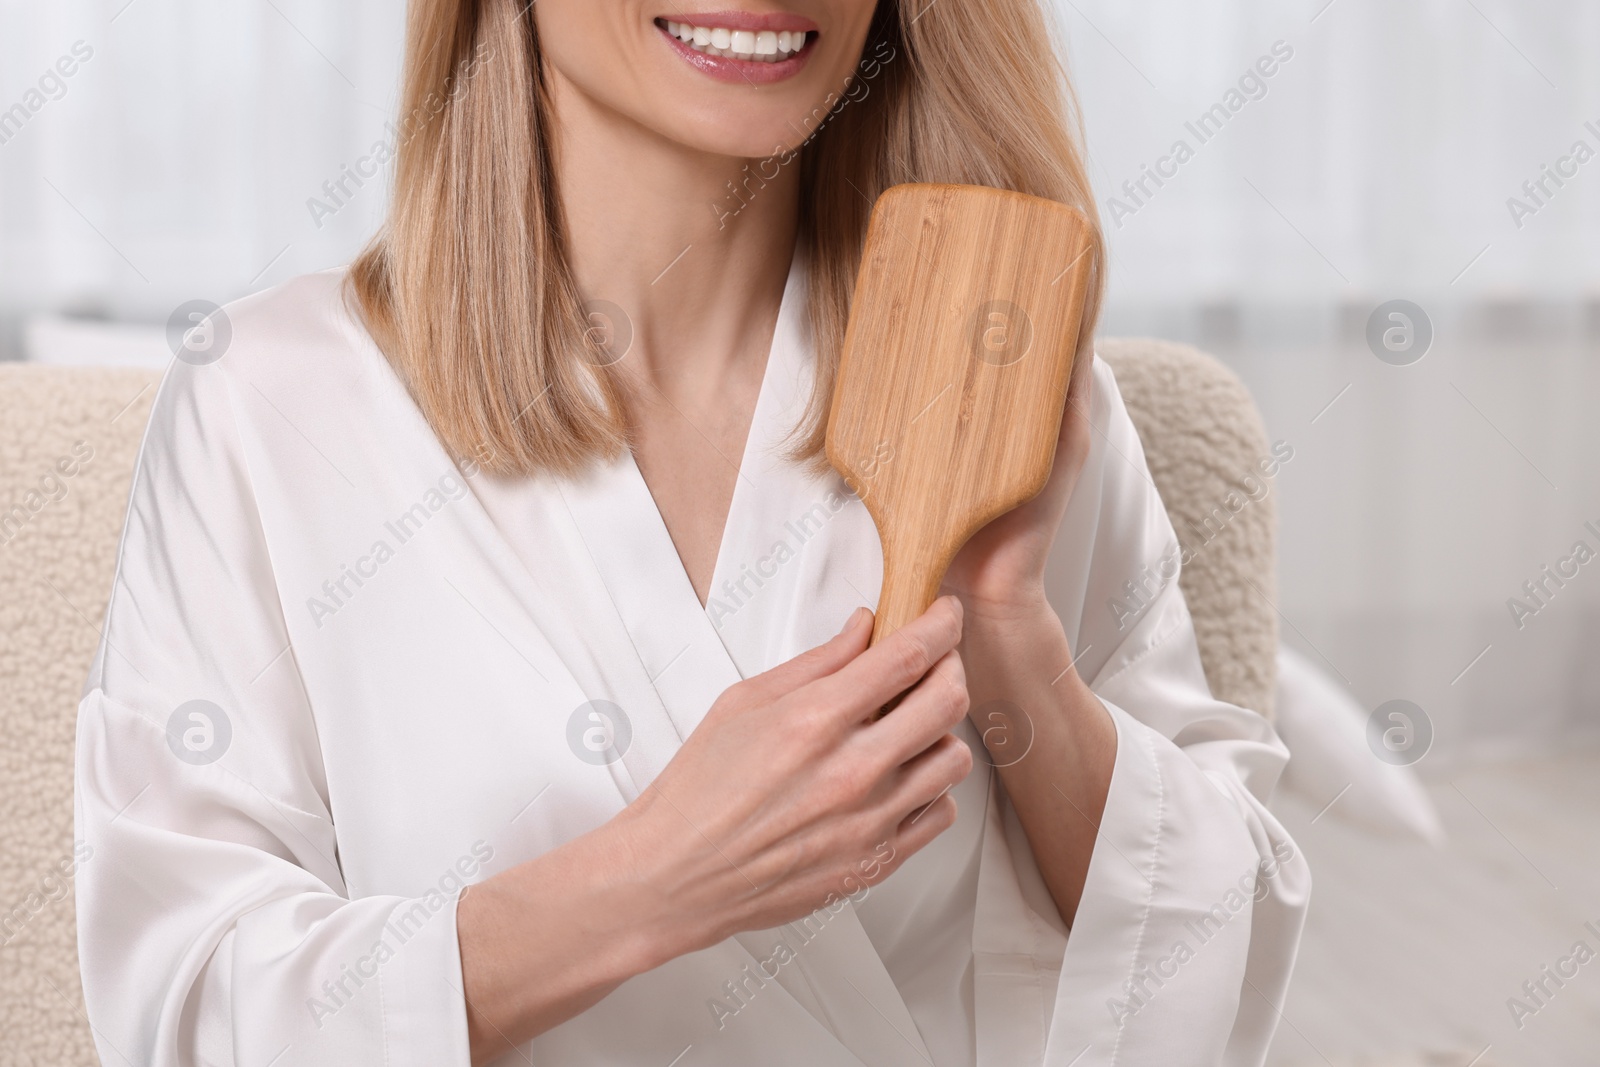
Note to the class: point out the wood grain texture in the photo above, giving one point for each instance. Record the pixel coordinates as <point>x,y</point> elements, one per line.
<point>954,371</point>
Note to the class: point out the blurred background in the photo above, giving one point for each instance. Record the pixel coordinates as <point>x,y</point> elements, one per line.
<point>1440,152</point>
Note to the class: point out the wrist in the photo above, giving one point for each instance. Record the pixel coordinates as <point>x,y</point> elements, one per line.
<point>656,926</point>
<point>1023,626</point>
<point>1025,659</point>
<point>1022,605</point>
<point>548,938</point>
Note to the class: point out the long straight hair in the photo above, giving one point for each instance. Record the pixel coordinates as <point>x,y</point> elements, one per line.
<point>468,290</point>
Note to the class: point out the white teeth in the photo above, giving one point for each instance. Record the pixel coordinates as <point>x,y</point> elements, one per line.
<point>765,46</point>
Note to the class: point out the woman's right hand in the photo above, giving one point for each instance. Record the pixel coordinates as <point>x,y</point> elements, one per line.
<point>786,797</point>
<point>789,795</point>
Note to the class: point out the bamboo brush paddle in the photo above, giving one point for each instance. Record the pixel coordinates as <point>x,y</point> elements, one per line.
<point>953,377</point>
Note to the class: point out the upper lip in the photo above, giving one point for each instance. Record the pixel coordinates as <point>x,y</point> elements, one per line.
<point>777,21</point>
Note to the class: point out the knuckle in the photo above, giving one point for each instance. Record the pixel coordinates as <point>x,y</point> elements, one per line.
<point>953,618</point>
<point>844,843</point>
<point>791,735</point>
<point>813,659</point>
<point>960,758</point>
<point>723,708</point>
<point>799,716</point>
<point>956,668</point>
<point>804,726</point>
<point>956,700</point>
<point>941,812</point>
<point>861,831</point>
<point>849,782</point>
<point>794,856</point>
<point>741,696</point>
<point>912,656</point>
<point>947,698</point>
<point>951,634</point>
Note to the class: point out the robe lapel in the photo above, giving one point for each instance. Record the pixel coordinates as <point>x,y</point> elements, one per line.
<point>559,618</point>
<point>663,657</point>
<point>674,639</point>
<point>799,551</point>
<point>525,588</point>
<point>837,976</point>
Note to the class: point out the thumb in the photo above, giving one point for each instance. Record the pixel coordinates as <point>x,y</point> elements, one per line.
<point>819,662</point>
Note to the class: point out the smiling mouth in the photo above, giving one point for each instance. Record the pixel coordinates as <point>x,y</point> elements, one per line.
<point>754,46</point>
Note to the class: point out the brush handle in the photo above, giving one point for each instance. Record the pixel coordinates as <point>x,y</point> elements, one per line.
<point>908,589</point>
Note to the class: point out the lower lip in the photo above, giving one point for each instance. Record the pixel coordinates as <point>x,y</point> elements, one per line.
<point>729,69</point>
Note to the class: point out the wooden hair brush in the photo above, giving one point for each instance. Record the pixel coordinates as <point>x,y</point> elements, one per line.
<point>953,377</point>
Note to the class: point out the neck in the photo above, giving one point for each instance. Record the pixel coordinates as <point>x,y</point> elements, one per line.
<point>651,228</point>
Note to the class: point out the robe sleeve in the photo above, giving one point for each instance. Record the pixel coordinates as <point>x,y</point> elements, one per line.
<point>1183,943</point>
<point>214,923</point>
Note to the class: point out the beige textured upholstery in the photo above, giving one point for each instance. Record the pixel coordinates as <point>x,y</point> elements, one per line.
<point>1203,439</point>
<point>58,538</point>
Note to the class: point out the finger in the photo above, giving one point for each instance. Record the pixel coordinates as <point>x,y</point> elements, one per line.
<point>1074,440</point>
<point>888,669</point>
<point>912,833</point>
<point>929,711</point>
<point>818,662</point>
<point>1081,386</point>
<point>946,761</point>
<point>919,783</point>
<point>922,826</point>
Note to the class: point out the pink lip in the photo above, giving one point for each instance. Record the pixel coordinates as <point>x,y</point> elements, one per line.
<point>777,22</point>
<point>729,69</point>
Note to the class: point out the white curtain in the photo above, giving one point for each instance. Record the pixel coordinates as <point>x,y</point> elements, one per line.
<point>1380,158</point>
<point>1375,162</point>
<point>178,161</point>
<point>1391,141</point>
<point>1378,162</point>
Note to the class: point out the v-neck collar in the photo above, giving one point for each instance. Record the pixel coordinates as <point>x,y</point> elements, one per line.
<point>673,634</point>
<point>780,404</point>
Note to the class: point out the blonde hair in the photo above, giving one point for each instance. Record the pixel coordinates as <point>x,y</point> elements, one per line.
<point>467,289</point>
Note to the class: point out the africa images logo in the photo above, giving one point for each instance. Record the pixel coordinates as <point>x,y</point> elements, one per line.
<point>599,732</point>
<point>199,732</point>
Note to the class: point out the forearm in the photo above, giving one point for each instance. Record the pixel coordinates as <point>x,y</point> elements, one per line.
<point>547,939</point>
<point>1052,740</point>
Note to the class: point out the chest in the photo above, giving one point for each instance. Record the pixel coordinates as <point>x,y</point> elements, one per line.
<point>688,452</point>
<point>520,658</point>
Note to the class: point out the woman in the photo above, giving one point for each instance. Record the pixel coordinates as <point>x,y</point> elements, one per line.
<point>473,686</point>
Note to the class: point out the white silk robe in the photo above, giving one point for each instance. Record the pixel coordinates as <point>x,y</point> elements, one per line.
<point>398,665</point>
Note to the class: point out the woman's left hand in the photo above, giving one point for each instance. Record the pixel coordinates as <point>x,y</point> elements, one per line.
<point>999,573</point>
<point>1052,741</point>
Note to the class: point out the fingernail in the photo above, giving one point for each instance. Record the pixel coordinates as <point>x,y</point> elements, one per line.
<point>850,623</point>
